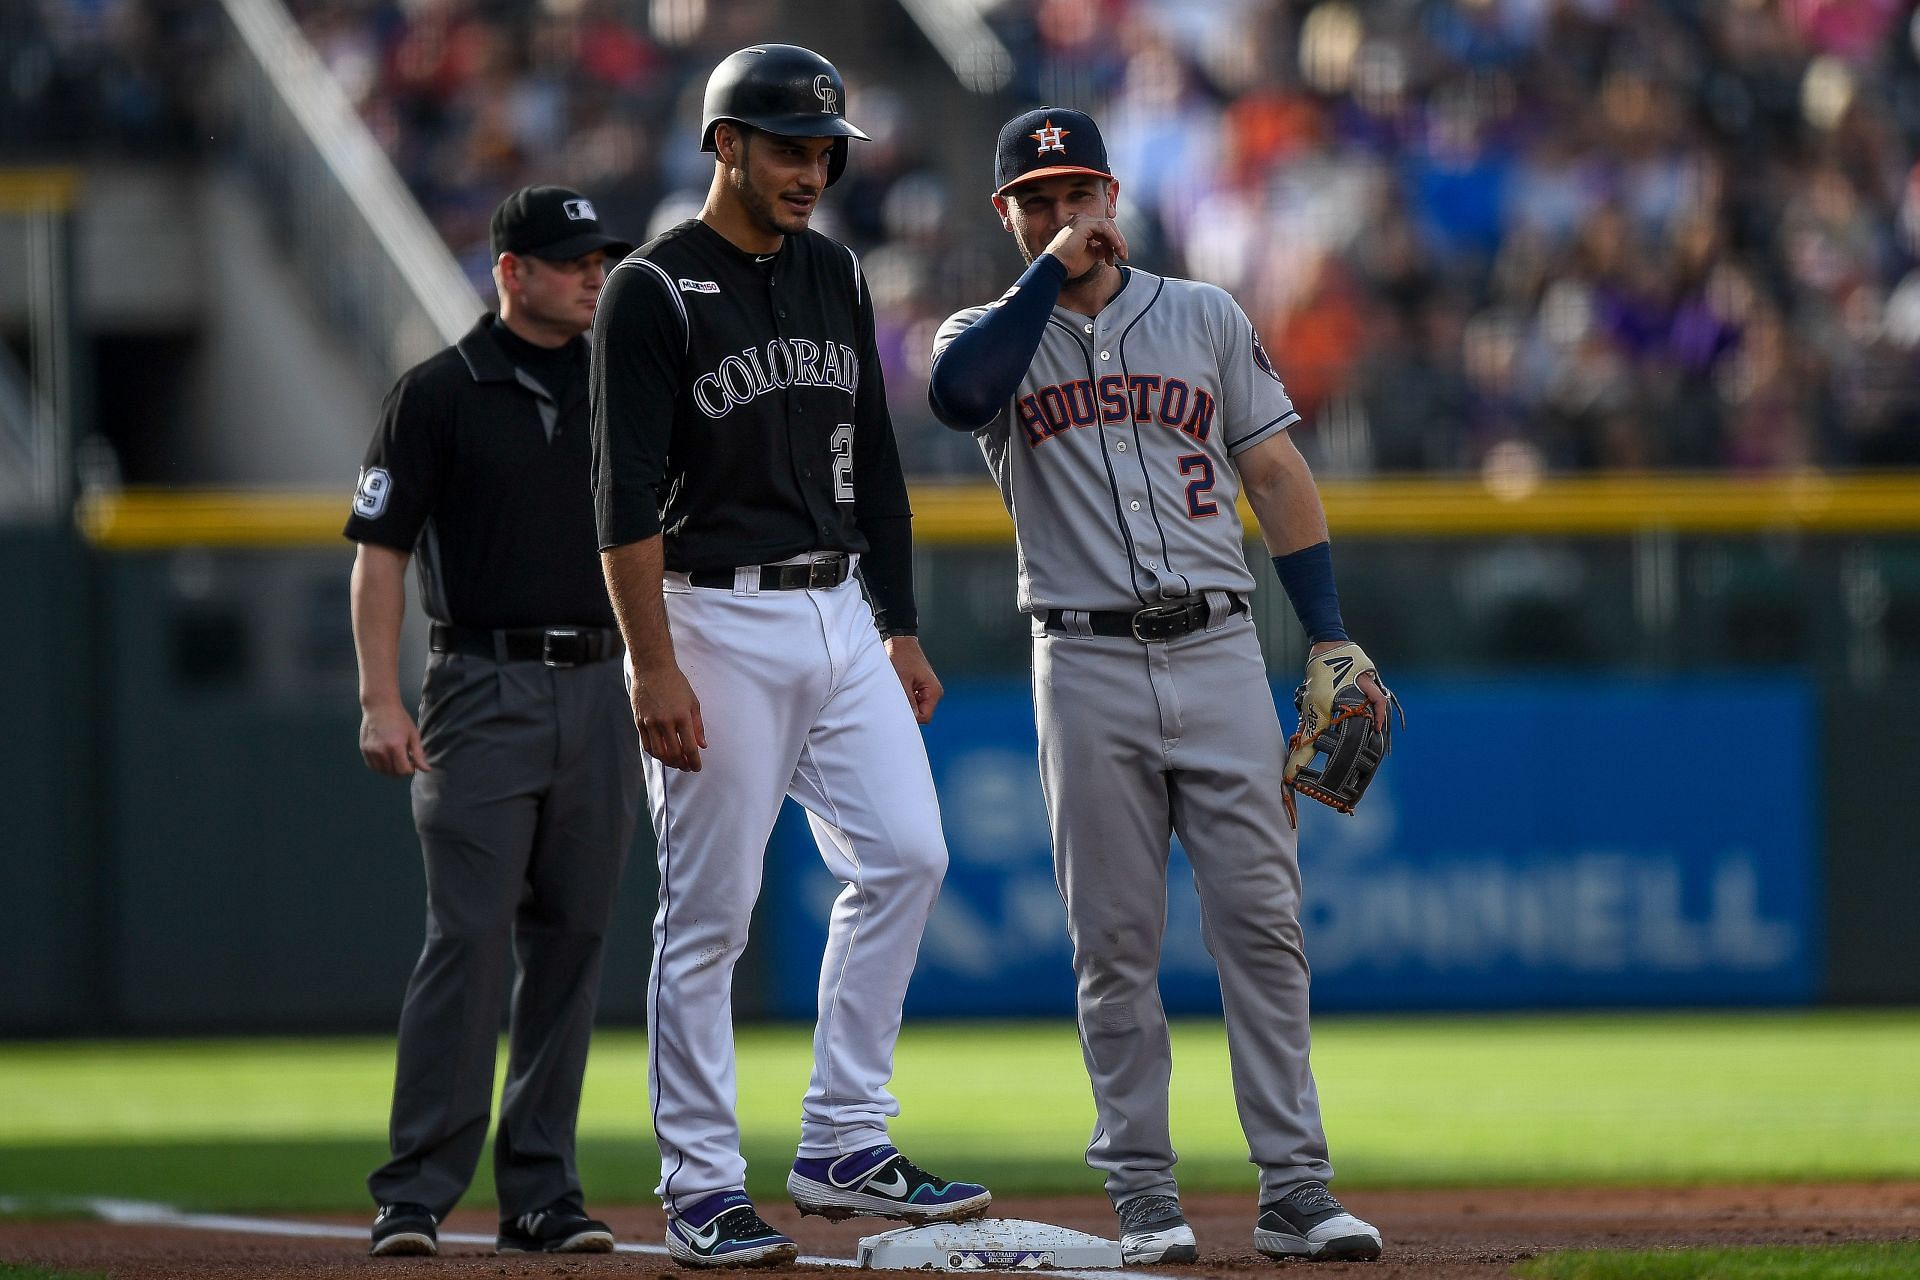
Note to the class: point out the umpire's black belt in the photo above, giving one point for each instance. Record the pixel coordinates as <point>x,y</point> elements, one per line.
<point>555,646</point>
<point>1155,622</point>
<point>819,574</point>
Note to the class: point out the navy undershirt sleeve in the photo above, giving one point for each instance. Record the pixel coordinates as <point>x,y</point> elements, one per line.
<point>1307,574</point>
<point>978,372</point>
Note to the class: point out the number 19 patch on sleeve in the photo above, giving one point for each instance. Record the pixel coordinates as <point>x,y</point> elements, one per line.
<point>370,495</point>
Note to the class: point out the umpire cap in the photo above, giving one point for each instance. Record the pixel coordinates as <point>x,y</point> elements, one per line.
<point>783,89</point>
<point>554,223</point>
<point>1045,142</point>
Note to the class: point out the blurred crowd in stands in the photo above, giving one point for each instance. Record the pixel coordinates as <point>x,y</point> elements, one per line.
<point>1562,233</point>
<point>1510,234</point>
<point>99,75</point>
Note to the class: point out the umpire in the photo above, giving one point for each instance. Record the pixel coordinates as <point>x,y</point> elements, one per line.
<point>525,767</point>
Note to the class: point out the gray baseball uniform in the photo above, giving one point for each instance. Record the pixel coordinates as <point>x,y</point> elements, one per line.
<point>1115,458</point>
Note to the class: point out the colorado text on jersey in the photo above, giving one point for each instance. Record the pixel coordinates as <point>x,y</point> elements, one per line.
<point>1140,397</point>
<point>783,362</point>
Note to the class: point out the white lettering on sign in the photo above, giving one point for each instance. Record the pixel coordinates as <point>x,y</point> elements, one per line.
<point>1589,912</point>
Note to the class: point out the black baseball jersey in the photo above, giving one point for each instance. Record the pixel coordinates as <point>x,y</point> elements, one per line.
<point>739,410</point>
<point>483,472</point>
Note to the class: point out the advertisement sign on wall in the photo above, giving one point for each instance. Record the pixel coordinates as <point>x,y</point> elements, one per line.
<point>1542,843</point>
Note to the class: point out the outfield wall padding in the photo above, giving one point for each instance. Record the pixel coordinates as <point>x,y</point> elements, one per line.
<point>52,866</point>
<point>191,842</point>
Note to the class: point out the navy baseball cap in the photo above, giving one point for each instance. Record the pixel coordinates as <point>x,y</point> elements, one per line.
<point>1045,142</point>
<point>554,223</point>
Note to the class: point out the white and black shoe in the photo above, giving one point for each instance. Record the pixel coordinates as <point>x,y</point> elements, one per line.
<point>404,1229</point>
<point>1153,1230</point>
<point>1308,1222</point>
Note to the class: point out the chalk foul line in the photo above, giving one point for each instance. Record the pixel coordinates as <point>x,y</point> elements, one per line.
<point>142,1213</point>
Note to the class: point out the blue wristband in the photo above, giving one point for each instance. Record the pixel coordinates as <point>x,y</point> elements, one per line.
<point>1307,575</point>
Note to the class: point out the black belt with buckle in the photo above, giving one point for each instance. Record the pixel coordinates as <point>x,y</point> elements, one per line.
<point>815,575</point>
<point>554,646</point>
<point>1155,622</point>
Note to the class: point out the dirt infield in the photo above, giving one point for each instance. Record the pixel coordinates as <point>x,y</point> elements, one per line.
<point>1455,1235</point>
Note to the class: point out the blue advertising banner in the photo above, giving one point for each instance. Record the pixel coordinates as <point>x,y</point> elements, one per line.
<point>1616,842</point>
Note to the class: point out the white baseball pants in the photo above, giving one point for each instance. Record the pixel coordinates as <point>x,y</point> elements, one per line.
<point>798,699</point>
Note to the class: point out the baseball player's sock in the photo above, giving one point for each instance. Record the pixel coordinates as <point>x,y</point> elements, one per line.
<point>722,1230</point>
<point>1152,1229</point>
<point>558,1228</point>
<point>402,1229</point>
<point>1308,1222</point>
<point>879,1182</point>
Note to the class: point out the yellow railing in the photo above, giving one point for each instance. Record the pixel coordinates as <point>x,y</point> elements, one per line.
<point>971,514</point>
<point>1613,505</point>
<point>154,519</point>
<point>49,190</point>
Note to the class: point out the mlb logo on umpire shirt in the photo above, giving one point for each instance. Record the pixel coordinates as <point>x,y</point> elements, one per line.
<point>581,210</point>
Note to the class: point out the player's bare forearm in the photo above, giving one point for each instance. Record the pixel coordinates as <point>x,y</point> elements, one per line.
<point>633,576</point>
<point>1285,500</point>
<point>378,593</point>
<point>923,688</point>
<point>665,710</point>
<point>1281,490</point>
<point>389,740</point>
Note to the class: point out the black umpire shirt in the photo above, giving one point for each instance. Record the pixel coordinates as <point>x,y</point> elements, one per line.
<point>739,410</point>
<point>482,467</point>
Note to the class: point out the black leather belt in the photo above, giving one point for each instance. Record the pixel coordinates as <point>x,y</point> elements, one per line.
<point>554,646</point>
<point>817,575</point>
<point>1155,622</point>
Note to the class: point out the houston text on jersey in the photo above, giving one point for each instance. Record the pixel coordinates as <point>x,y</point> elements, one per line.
<point>1140,397</point>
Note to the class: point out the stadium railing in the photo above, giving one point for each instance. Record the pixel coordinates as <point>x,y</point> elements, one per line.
<point>1648,572</point>
<point>374,263</point>
<point>971,515</point>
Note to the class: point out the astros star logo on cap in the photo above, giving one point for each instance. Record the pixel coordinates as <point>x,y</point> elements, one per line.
<point>1047,142</point>
<point>1050,138</point>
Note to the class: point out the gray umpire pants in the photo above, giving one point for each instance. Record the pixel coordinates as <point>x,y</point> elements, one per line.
<point>524,824</point>
<point>1139,742</point>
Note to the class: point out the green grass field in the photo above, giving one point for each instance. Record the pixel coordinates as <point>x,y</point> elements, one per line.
<point>296,1124</point>
<point>1897,1261</point>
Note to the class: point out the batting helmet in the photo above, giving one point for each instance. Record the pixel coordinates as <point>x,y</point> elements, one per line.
<point>784,89</point>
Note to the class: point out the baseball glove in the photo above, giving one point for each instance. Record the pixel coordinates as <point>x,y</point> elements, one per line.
<point>1336,722</point>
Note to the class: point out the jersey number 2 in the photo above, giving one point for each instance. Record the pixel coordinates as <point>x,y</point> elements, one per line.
<point>1200,467</point>
<point>843,463</point>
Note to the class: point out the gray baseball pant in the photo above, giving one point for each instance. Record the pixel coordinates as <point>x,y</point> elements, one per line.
<point>1138,741</point>
<point>524,824</point>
